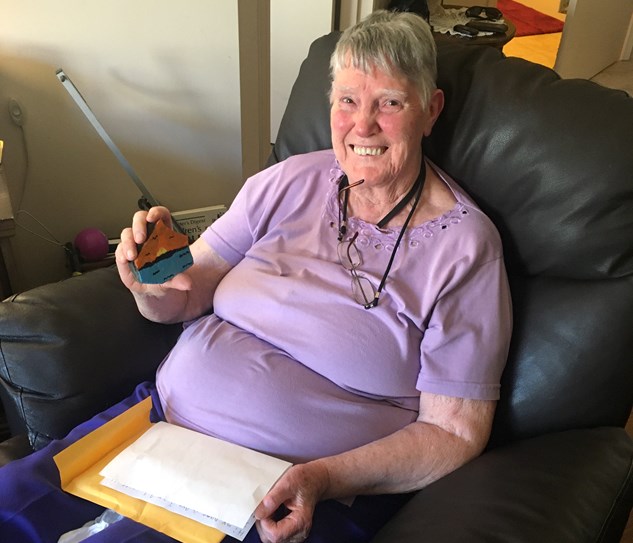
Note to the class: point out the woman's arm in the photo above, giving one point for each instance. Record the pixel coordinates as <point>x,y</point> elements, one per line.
<point>448,433</point>
<point>184,297</point>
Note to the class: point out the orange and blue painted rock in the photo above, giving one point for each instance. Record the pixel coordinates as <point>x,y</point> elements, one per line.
<point>165,254</point>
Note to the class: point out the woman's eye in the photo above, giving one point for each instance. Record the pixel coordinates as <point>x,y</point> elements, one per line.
<point>392,103</point>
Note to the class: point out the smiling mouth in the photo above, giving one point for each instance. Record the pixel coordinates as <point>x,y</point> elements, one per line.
<point>368,151</point>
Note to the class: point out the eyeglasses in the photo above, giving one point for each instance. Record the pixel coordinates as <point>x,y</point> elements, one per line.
<point>479,12</point>
<point>362,288</point>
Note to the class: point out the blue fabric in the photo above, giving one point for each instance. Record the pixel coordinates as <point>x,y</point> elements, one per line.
<point>34,509</point>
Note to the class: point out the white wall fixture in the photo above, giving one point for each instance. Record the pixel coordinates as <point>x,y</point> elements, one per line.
<point>595,35</point>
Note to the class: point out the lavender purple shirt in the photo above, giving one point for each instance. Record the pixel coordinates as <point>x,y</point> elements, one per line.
<point>289,364</point>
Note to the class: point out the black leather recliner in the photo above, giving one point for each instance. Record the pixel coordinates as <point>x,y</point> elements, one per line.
<point>551,163</point>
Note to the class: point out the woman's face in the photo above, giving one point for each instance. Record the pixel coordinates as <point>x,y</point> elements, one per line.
<point>377,124</point>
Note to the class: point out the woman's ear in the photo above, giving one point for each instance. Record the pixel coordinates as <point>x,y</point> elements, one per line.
<point>435,107</point>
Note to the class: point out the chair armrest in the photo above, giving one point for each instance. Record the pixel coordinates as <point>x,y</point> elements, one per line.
<point>573,486</point>
<point>69,350</point>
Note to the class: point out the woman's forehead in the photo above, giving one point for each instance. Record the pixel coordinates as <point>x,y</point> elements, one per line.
<point>354,79</point>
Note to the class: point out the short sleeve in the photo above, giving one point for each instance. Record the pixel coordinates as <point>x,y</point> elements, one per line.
<point>267,199</point>
<point>233,234</point>
<point>465,346</point>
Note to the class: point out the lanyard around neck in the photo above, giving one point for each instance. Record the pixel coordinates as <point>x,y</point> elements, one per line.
<point>416,191</point>
<point>344,186</point>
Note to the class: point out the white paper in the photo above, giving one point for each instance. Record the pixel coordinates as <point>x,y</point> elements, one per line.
<point>212,481</point>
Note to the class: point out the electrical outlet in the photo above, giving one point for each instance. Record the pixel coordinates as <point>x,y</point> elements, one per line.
<point>15,112</point>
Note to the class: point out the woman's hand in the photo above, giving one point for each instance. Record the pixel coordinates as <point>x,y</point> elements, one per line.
<point>448,433</point>
<point>184,297</point>
<point>298,490</point>
<point>126,252</point>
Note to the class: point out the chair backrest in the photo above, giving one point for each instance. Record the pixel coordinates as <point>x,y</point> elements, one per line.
<point>551,162</point>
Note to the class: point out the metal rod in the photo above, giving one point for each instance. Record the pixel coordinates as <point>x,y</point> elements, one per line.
<point>147,200</point>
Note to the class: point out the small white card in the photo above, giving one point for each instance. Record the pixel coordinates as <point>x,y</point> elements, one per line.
<point>214,482</point>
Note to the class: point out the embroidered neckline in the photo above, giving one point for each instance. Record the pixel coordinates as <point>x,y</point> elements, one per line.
<point>369,235</point>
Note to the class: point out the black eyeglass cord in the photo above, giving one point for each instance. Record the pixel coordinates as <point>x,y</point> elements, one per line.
<point>344,187</point>
<point>416,190</point>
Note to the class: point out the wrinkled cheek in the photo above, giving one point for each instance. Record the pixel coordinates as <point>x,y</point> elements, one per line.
<point>338,140</point>
<point>339,148</point>
<point>340,125</point>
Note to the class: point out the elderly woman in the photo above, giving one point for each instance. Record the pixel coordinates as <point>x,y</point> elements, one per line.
<point>359,299</point>
<point>349,313</point>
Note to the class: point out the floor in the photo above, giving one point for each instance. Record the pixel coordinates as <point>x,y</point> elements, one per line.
<point>617,76</point>
<point>542,50</point>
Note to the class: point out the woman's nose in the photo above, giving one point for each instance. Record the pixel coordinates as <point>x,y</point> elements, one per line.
<point>365,122</point>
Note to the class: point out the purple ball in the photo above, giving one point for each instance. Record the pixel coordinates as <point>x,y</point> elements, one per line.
<point>92,244</point>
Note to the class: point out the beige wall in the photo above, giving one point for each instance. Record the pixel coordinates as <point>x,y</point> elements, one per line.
<point>182,89</point>
<point>294,25</point>
<point>164,82</point>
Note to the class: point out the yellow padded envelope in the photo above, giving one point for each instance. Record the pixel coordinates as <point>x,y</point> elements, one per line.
<point>80,463</point>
